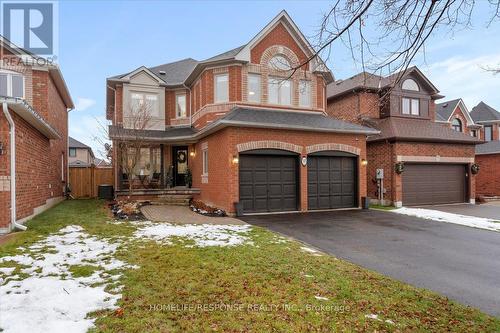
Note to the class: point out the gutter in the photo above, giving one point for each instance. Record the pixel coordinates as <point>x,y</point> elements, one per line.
<point>12,127</point>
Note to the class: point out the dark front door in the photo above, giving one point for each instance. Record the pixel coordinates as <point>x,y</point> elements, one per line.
<point>268,183</point>
<point>331,182</point>
<point>425,184</point>
<point>180,164</point>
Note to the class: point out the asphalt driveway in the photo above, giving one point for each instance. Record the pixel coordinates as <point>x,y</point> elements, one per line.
<point>456,261</point>
<point>490,210</point>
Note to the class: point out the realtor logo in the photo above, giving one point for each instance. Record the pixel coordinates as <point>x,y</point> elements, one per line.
<point>30,25</point>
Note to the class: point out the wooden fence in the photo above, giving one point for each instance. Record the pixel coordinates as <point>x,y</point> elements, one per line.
<point>85,181</point>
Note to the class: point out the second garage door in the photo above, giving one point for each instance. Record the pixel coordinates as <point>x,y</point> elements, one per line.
<point>268,183</point>
<point>331,182</point>
<point>425,184</point>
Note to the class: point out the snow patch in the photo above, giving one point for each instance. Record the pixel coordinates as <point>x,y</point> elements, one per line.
<point>435,215</point>
<point>202,234</point>
<point>309,250</point>
<point>52,299</point>
<point>321,298</point>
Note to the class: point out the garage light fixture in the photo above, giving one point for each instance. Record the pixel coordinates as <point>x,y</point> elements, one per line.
<point>364,162</point>
<point>192,153</point>
<point>235,159</point>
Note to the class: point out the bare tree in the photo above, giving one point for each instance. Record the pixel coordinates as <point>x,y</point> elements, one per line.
<point>384,36</point>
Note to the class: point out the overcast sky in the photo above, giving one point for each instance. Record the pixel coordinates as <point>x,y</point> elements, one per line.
<point>98,39</point>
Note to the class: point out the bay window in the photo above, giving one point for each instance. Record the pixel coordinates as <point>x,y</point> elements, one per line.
<point>254,88</point>
<point>279,91</point>
<point>410,106</point>
<point>305,93</point>
<point>488,133</point>
<point>145,103</point>
<point>180,105</point>
<point>221,88</point>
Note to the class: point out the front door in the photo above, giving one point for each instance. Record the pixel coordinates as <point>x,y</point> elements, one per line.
<point>180,163</point>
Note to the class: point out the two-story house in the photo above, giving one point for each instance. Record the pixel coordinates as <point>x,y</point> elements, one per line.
<point>79,154</point>
<point>488,153</point>
<point>455,115</point>
<point>250,126</point>
<point>414,160</point>
<point>34,104</point>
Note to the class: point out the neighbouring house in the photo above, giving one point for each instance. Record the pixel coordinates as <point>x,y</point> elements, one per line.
<point>488,153</point>
<point>34,102</point>
<point>414,160</point>
<point>79,154</point>
<point>251,131</point>
<point>454,113</point>
<point>100,163</point>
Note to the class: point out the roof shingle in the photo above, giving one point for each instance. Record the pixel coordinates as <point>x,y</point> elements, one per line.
<point>484,112</point>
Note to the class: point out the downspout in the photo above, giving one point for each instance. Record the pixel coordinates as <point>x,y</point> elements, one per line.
<point>190,104</point>
<point>12,127</point>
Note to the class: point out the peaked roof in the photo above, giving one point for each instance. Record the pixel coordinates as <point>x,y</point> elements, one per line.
<point>491,147</point>
<point>185,71</point>
<point>73,143</point>
<point>484,113</point>
<point>368,81</point>
<point>444,110</point>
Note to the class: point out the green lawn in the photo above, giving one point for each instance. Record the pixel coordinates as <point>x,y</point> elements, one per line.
<point>268,285</point>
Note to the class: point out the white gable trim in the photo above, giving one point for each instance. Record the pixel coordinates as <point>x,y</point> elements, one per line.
<point>142,69</point>
<point>464,111</point>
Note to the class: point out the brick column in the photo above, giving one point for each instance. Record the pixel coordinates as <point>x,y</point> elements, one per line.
<point>303,184</point>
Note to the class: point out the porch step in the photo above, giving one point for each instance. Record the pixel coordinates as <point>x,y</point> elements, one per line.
<point>175,200</point>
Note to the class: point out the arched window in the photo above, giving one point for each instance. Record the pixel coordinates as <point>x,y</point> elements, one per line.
<point>11,84</point>
<point>456,124</point>
<point>410,84</point>
<point>280,63</point>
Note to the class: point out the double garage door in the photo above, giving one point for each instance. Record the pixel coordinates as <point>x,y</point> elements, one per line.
<point>269,182</point>
<point>425,184</point>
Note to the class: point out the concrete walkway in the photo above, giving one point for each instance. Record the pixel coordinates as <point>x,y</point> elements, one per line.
<point>183,215</point>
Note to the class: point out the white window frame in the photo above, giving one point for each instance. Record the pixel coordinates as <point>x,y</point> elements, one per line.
<point>69,153</point>
<point>411,82</point>
<point>271,81</point>
<point>177,104</point>
<point>154,113</point>
<point>216,90</point>
<point>257,98</point>
<point>9,75</point>
<point>204,155</point>
<point>305,91</point>
<point>411,112</point>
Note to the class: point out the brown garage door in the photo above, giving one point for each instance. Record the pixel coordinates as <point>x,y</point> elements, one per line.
<point>331,182</point>
<point>425,184</point>
<point>268,183</point>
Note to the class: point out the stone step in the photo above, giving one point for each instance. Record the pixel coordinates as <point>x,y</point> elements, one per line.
<point>174,200</point>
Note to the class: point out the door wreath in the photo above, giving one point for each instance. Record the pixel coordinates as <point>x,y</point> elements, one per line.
<point>181,156</point>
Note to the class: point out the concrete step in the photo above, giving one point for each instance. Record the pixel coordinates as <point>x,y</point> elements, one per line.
<point>174,200</point>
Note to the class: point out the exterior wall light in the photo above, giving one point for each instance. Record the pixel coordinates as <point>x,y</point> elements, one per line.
<point>235,159</point>
<point>1,148</point>
<point>192,153</point>
<point>364,162</point>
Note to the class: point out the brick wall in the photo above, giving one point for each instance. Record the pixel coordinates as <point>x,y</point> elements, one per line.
<point>222,188</point>
<point>354,107</point>
<point>488,178</point>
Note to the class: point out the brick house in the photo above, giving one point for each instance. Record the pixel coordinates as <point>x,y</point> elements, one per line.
<point>454,114</point>
<point>34,102</point>
<point>488,153</point>
<point>79,154</point>
<point>414,160</point>
<point>250,129</point>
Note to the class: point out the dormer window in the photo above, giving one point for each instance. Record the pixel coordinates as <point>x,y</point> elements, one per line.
<point>410,84</point>
<point>279,62</point>
<point>456,125</point>
<point>410,106</point>
<point>11,84</point>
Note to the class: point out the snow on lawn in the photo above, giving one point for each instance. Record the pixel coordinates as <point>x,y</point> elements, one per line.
<point>51,299</point>
<point>202,234</point>
<point>430,214</point>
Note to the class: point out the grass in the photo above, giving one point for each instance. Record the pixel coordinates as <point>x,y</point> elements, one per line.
<point>268,286</point>
<point>380,207</point>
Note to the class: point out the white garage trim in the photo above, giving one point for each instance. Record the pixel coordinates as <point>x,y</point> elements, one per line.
<point>435,159</point>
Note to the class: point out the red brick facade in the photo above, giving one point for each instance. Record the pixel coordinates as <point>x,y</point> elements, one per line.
<point>41,164</point>
<point>488,178</point>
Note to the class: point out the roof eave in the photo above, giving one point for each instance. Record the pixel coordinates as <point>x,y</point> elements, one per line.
<point>426,139</point>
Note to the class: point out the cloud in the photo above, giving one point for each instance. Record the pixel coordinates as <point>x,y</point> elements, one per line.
<point>83,104</point>
<point>466,78</point>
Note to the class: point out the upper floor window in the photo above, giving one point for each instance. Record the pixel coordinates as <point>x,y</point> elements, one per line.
<point>305,93</point>
<point>279,91</point>
<point>11,84</point>
<point>72,152</point>
<point>144,105</point>
<point>280,63</point>
<point>254,88</point>
<point>180,105</point>
<point>488,133</point>
<point>221,88</point>
<point>456,125</point>
<point>473,133</point>
<point>410,84</point>
<point>411,106</point>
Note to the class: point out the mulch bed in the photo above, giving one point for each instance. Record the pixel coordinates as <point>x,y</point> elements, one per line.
<point>128,210</point>
<point>206,210</point>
